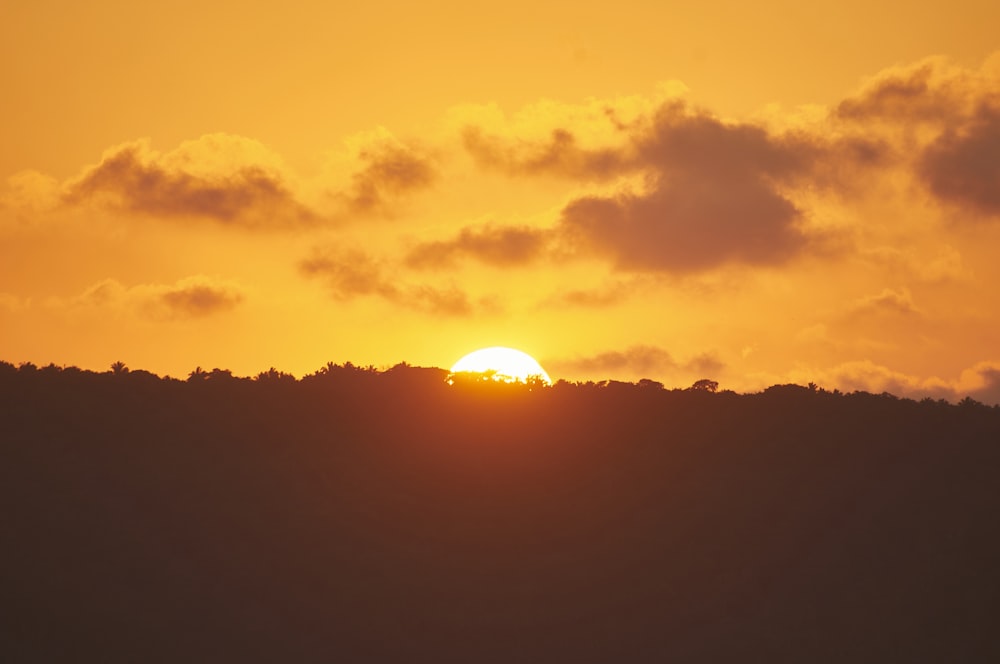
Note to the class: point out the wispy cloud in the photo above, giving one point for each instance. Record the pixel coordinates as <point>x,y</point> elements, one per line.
<point>388,170</point>
<point>494,245</point>
<point>192,297</point>
<point>635,361</point>
<point>888,301</point>
<point>980,381</point>
<point>350,274</point>
<point>560,153</point>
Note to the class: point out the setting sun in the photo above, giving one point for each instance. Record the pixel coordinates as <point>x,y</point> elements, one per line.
<point>503,364</point>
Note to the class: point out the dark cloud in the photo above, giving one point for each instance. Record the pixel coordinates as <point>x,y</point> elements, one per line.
<point>962,166</point>
<point>199,299</point>
<point>352,274</point>
<point>247,196</point>
<point>634,361</point>
<point>495,245</point>
<point>713,197</point>
<point>561,154</point>
<point>686,225</point>
<point>390,170</point>
<point>679,141</point>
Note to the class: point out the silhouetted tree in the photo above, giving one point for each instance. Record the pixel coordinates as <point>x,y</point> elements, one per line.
<point>328,368</point>
<point>119,368</point>
<point>705,385</point>
<point>969,402</point>
<point>472,377</point>
<point>217,375</point>
<point>273,375</point>
<point>536,382</point>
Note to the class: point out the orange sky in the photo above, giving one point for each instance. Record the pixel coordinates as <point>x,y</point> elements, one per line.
<point>752,193</point>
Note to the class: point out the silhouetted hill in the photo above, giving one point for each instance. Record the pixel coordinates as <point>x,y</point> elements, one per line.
<point>368,516</point>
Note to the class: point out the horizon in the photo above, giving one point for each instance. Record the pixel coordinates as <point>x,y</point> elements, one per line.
<point>705,385</point>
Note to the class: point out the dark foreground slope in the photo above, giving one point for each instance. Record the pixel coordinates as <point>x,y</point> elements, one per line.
<point>362,517</point>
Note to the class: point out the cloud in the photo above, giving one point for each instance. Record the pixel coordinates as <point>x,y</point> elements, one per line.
<point>867,376</point>
<point>212,178</point>
<point>980,382</point>
<point>899,302</point>
<point>197,298</point>
<point>713,197</point>
<point>450,301</point>
<point>605,296</point>
<point>712,193</point>
<point>30,191</point>
<point>691,193</point>
<point>238,182</point>
<point>390,169</point>
<point>191,297</point>
<point>500,246</point>
<point>706,363</point>
<point>12,303</point>
<point>350,274</point>
<point>950,117</point>
<point>945,265</point>
<point>634,361</point>
<point>686,192</point>
<point>962,166</point>
<point>553,138</point>
<point>922,92</point>
<point>561,153</point>
<point>685,225</point>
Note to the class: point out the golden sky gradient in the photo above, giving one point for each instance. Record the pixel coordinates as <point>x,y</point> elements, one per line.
<point>754,193</point>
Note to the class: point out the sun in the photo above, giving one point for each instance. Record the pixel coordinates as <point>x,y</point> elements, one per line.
<point>505,365</point>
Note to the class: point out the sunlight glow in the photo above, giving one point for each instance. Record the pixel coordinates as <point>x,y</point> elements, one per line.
<point>505,365</point>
